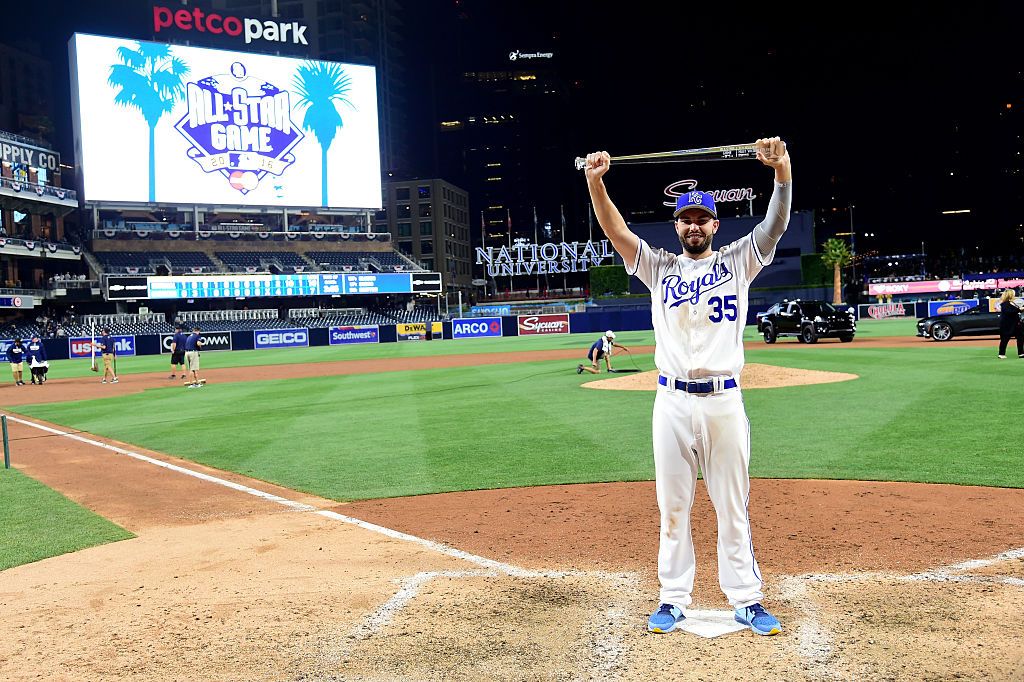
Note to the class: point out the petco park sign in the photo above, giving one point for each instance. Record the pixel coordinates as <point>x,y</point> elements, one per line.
<point>543,324</point>
<point>538,259</point>
<point>192,20</point>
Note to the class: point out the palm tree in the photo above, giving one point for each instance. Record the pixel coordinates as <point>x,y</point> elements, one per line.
<point>151,80</point>
<point>837,255</point>
<point>319,85</point>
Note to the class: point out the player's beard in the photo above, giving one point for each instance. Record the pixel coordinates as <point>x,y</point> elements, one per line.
<point>696,248</point>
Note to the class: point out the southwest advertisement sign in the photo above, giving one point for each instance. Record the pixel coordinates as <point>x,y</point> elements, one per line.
<point>543,324</point>
<point>411,331</point>
<point>280,338</point>
<point>950,307</point>
<point>211,341</point>
<point>189,125</point>
<point>81,346</point>
<point>476,327</point>
<point>343,336</point>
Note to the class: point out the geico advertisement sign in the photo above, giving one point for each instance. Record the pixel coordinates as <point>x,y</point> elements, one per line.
<point>341,336</point>
<point>223,127</point>
<point>475,328</point>
<point>543,324</point>
<point>80,347</point>
<point>281,338</point>
<point>211,341</point>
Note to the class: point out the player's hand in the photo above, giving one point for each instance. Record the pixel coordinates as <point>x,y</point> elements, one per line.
<point>771,151</point>
<point>598,164</point>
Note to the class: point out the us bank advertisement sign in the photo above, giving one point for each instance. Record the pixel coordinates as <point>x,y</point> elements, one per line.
<point>188,125</point>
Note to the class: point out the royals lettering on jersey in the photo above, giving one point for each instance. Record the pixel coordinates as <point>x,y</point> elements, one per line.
<point>699,307</point>
<point>678,290</point>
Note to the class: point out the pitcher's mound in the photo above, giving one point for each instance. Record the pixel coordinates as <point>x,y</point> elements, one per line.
<point>753,376</point>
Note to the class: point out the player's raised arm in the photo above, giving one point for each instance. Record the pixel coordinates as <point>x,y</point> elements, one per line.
<point>625,242</point>
<point>772,152</point>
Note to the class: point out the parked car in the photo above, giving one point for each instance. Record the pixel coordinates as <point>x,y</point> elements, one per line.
<point>976,321</point>
<point>808,321</point>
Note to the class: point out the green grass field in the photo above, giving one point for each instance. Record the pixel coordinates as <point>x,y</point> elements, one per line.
<point>38,523</point>
<point>930,413</point>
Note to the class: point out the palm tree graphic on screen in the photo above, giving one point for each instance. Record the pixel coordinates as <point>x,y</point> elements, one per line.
<point>151,80</point>
<point>321,86</point>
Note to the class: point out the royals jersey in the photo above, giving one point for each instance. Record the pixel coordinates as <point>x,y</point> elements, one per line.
<point>699,307</point>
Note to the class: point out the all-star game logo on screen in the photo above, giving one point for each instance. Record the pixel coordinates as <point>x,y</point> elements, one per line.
<point>240,126</point>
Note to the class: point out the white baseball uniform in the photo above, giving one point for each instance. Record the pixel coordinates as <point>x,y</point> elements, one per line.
<point>699,309</point>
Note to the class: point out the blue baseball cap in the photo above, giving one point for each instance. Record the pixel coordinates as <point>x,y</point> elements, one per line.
<point>705,201</point>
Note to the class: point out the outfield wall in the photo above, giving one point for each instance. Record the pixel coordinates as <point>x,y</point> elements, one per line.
<point>595,321</point>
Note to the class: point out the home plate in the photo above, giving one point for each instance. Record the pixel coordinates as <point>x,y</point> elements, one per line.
<point>711,623</point>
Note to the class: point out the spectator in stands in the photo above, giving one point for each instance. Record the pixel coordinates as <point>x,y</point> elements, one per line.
<point>178,351</point>
<point>1010,324</point>
<point>192,345</point>
<point>107,352</point>
<point>602,348</point>
<point>37,363</point>
<point>16,356</point>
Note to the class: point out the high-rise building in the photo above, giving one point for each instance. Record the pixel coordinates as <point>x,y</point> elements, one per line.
<point>429,222</point>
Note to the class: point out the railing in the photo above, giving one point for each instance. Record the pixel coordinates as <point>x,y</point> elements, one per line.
<point>123,318</point>
<point>39,190</point>
<point>227,315</point>
<point>324,312</point>
<point>19,291</point>
<point>74,283</point>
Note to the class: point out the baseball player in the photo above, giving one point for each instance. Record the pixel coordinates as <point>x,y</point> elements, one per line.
<point>602,348</point>
<point>699,309</point>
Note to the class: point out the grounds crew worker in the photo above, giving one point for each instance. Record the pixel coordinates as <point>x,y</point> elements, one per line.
<point>602,348</point>
<point>106,345</point>
<point>192,345</point>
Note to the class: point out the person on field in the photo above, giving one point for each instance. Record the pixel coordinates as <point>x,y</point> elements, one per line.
<point>1010,325</point>
<point>16,356</point>
<point>36,356</point>
<point>602,348</point>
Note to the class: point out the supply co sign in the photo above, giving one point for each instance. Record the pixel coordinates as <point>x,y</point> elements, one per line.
<point>543,324</point>
<point>476,327</point>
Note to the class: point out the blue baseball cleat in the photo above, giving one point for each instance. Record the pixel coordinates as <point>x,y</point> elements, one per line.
<point>759,620</point>
<point>665,619</point>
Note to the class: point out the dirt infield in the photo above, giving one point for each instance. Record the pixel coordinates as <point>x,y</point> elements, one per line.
<point>870,580</point>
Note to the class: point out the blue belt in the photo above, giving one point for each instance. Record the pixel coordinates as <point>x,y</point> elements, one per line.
<point>696,386</point>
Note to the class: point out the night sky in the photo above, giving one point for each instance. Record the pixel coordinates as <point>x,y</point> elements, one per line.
<point>900,112</point>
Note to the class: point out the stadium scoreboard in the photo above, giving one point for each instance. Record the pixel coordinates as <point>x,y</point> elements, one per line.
<point>272,286</point>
